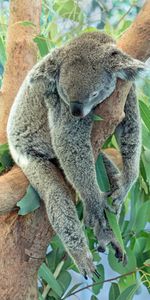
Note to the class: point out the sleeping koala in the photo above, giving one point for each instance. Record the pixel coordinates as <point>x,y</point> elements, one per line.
<point>51,119</point>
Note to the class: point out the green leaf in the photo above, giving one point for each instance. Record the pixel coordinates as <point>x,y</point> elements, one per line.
<point>57,243</point>
<point>40,296</point>
<point>96,288</point>
<point>114,291</point>
<point>41,42</point>
<point>126,281</point>
<point>145,114</point>
<point>128,293</point>
<point>97,118</point>
<point>68,9</point>
<point>30,202</point>
<point>26,23</point>
<point>112,220</point>
<point>5,157</point>
<point>147,262</point>
<point>142,216</point>
<point>146,162</point>
<point>93,297</point>
<point>2,52</point>
<point>79,208</point>
<point>145,136</point>
<point>101,173</point>
<point>51,259</point>
<point>146,88</point>
<point>47,275</point>
<point>118,266</point>
<point>64,280</point>
<point>74,288</point>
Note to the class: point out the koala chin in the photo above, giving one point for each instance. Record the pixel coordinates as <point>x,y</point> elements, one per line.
<point>51,120</point>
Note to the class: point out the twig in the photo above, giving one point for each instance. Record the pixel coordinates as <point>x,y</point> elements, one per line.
<point>101,282</point>
<point>127,12</point>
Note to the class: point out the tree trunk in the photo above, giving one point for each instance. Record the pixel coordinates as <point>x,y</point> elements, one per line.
<point>22,241</point>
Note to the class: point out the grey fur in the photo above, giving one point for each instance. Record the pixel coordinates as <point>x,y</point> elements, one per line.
<point>46,122</point>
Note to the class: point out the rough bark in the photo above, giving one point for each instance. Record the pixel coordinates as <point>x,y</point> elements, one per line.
<point>23,237</point>
<point>21,53</point>
<point>19,236</point>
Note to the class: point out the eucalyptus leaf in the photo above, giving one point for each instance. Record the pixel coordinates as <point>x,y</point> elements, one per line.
<point>142,216</point>
<point>145,114</point>
<point>27,23</point>
<point>42,44</point>
<point>30,202</point>
<point>74,288</point>
<point>97,118</point>
<point>118,266</point>
<point>101,173</point>
<point>128,293</point>
<point>46,274</point>
<point>64,279</point>
<point>147,262</point>
<point>96,288</point>
<point>112,220</point>
<point>68,9</point>
<point>93,297</point>
<point>6,160</point>
<point>114,291</point>
<point>2,52</point>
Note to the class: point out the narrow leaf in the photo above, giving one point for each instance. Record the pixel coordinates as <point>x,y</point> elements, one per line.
<point>96,118</point>
<point>75,287</point>
<point>145,113</point>
<point>147,262</point>
<point>114,291</point>
<point>47,275</point>
<point>128,293</point>
<point>26,23</point>
<point>115,228</point>
<point>2,52</point>
<point>41,42</point>
<point>30,202</point>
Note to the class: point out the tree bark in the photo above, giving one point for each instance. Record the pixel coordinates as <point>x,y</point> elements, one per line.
<point>21,53</point>
<point>22,238</point>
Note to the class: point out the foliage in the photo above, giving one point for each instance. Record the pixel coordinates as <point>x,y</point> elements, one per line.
<point>60,21</point>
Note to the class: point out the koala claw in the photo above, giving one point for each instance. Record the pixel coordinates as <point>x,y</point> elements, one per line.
<point>91,215</point>
<point>85,275</point>
<point>84,261</point>
<point>101,249</point>
<point>119,254</point>
<point>97,274</point>
<point>105,236</point>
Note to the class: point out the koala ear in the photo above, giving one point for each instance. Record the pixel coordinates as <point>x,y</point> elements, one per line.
<point>125,67</point>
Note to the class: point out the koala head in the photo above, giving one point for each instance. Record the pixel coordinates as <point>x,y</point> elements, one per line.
<point>89,68</point>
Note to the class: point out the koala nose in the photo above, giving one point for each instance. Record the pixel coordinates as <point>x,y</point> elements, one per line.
<point>76,109</point>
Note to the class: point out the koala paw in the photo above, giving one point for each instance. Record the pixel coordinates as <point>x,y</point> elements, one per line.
<point>84,261</point>
<point>118,193</point>
<point>105,237</point>
<point>95,212</point>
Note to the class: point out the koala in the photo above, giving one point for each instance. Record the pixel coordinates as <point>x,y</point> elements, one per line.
<point>50,123</point>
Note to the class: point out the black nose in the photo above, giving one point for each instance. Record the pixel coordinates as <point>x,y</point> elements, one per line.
<point>76,109</point>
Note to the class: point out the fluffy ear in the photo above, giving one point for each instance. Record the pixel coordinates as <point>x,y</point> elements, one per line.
<point>48,67</point>
<point>125,67</point>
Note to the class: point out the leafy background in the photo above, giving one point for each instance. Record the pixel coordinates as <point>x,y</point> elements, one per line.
<point>58,278</point>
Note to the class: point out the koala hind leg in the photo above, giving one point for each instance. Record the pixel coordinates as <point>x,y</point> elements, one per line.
<point>102,230</point>
<point>47,181</point>
<point>112,170</point>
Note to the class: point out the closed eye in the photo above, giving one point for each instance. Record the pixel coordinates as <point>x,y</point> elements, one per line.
<point>95,94</point>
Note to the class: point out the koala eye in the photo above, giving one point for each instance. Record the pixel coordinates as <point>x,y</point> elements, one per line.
<point>95,94</point>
